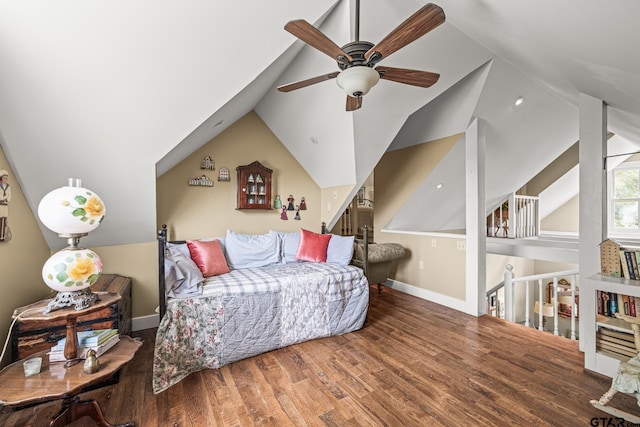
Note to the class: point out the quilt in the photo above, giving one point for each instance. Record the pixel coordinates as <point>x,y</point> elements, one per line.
<point>251,311</point>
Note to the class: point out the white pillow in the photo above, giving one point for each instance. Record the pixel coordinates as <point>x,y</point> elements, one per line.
<point>340,250</point>
<point>252,250</point>
<point>290,243</point>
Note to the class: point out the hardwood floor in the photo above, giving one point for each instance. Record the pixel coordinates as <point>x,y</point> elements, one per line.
<point>414,363</point>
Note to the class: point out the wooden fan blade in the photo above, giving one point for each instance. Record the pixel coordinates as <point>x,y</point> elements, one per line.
<point>409,77</point>
<point>313,37</point>
<point>308,82</point>
<point>353,103</point>
<point>414,27</point>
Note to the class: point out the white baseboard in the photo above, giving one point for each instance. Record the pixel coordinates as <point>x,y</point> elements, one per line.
<point>444,300</point>
<point>145,322</point>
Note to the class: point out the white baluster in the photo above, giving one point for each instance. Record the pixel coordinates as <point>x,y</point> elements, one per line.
<point>527,322</point>
<point>508,293</point>
<point>574,307</point>
<point>555,305</point>
<point>540,306</point>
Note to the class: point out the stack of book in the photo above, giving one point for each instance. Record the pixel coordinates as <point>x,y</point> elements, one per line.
<point>99,340</point>
<point>621,344</point>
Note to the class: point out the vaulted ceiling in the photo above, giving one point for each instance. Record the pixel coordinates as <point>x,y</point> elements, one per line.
<point>118,92</point>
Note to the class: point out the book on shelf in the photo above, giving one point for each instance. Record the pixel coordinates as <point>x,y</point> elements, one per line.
<point>57,351</point>
<point>610,303</point>
<point>629,258</point>
<point>92,337</point>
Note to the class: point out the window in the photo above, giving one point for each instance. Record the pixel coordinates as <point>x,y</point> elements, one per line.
<point>624,200</point>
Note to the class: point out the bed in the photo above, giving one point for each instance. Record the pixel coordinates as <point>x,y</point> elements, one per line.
<point>247,309</point>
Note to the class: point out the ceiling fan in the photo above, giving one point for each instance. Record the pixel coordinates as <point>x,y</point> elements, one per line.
<point>357,59</point>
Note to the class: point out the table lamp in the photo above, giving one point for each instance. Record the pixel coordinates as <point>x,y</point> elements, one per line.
<point>72,211</point>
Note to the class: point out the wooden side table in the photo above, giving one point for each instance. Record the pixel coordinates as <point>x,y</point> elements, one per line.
<point>55,381</point>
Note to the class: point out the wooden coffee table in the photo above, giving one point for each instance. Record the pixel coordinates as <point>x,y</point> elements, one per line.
<point>57,381</point>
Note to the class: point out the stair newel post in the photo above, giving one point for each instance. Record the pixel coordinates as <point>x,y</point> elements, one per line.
<point>508,293</point>
<point>512,221</point>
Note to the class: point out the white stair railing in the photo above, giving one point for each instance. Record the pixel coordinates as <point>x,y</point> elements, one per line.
<point>508,287</point>
<point>516,217</point>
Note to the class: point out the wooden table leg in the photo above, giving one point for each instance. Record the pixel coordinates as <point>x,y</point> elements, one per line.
<point>74,409</point>
<point>71,343</point>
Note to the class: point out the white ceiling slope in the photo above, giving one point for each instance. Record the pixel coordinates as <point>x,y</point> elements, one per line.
<point>102,91</point>
<point>133,84</point>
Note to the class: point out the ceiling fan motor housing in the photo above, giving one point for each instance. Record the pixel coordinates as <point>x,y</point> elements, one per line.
<point>356,51</point>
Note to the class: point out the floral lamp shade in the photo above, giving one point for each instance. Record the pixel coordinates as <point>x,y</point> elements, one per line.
<point>71,210</point>
<point>72,270</point>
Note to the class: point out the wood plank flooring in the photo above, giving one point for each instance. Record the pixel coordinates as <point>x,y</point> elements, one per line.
<point>414,363</point>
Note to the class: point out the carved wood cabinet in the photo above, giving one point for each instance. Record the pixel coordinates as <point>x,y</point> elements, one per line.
<point>254,186</point>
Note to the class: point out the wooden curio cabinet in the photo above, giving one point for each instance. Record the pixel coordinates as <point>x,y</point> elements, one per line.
<point>254,186</point>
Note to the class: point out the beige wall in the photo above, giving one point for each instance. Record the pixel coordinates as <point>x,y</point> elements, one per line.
<point>197,212</point>
<point>443,265</point>
<point>21,258</point>
<point>140,262</point>
<point>331,200</point>
<point>565,218</point>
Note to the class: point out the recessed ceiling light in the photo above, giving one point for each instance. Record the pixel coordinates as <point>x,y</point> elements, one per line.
<point>519,100</point>
<point>439,186</point>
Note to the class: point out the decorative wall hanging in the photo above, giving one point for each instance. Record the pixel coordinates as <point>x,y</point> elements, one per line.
<point>290,206</point>
<point>208,164</point>
<point>224,175</point>
<point>303,204</point>
<point>201,181</point>
<point>5,198</point>
<point>277,204</point>
<point>254,186</point>
<point>283,215</point>
<point>297,217</point>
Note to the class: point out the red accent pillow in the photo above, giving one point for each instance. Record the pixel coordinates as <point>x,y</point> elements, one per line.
<point>313,246</point>
<point>208,256</point>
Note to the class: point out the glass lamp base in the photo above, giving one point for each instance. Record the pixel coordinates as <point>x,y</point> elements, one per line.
<point>80,299</point>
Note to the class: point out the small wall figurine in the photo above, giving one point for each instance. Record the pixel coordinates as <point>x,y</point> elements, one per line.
<point>5,198</point>
<point>277,204</point>
<point>297,217</point>
<point>283,215</point>
<point>207,163</point>
<point>224,174</point>
<point>290,207</point>
<point>303,204</point>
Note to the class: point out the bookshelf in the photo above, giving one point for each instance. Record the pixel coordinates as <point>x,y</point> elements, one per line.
<point>598,357</point>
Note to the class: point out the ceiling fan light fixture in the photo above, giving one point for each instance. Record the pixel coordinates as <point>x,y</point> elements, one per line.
<point>358,80</point>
